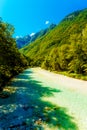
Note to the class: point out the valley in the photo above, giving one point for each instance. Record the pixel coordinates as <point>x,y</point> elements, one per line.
<point>43,75</point>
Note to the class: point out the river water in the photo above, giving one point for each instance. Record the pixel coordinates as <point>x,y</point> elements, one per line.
<point>43,100</point>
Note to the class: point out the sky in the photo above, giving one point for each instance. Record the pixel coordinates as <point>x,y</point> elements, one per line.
<point>30,16</point>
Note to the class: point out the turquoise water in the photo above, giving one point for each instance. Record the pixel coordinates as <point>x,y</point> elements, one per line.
<point>73,100</point>
<point>38,100</point>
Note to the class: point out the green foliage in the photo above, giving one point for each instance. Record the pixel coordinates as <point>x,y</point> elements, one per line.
<point>64,48</point>
<point>11,61</point>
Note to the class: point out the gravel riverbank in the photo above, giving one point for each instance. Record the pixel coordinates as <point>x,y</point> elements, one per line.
<point>42,100</point>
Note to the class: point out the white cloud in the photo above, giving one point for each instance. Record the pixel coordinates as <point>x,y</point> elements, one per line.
<point>32,34</point>
<point>47,22</point>
<point>18,36</point>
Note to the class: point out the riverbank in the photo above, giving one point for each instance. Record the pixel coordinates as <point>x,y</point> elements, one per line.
<point>73,94</point>
<point>79,84</point>
<point>40,99</point>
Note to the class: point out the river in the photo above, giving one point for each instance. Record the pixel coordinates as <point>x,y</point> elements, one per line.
<point>42,100</point>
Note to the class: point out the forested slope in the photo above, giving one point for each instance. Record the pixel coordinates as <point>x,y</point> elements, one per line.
<point>11,61</point>
<point>23,41</point>
<point>64,48</point>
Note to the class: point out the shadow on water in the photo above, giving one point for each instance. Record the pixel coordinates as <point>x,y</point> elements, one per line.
<point>26,108</point>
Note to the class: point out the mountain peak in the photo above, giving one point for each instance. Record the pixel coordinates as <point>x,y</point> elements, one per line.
<point>22,41</point>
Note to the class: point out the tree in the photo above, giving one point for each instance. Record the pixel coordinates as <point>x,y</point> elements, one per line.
<point>11,61</point>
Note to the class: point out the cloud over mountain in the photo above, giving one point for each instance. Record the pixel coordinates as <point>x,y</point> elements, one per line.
<point>47,22</point>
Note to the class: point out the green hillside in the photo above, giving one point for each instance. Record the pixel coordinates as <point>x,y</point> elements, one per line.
<point>11,61</point>
<point>23,41</point>
<point>64,48</point>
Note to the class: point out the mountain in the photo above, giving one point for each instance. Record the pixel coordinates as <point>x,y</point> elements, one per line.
<point>42,32</point>
<point>11,61</point>
<point>64,48</point>
<point>22,41</point>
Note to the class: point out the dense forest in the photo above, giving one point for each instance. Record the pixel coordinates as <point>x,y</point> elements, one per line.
<point>11,61</point>
<point>64,48</point>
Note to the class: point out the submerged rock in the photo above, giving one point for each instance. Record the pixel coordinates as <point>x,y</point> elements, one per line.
<point>4,94</point>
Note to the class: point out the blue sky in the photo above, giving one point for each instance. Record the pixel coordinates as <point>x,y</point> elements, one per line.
<point>30,16</point>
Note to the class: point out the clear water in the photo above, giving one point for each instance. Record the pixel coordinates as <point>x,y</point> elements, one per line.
<point>39,96</point>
